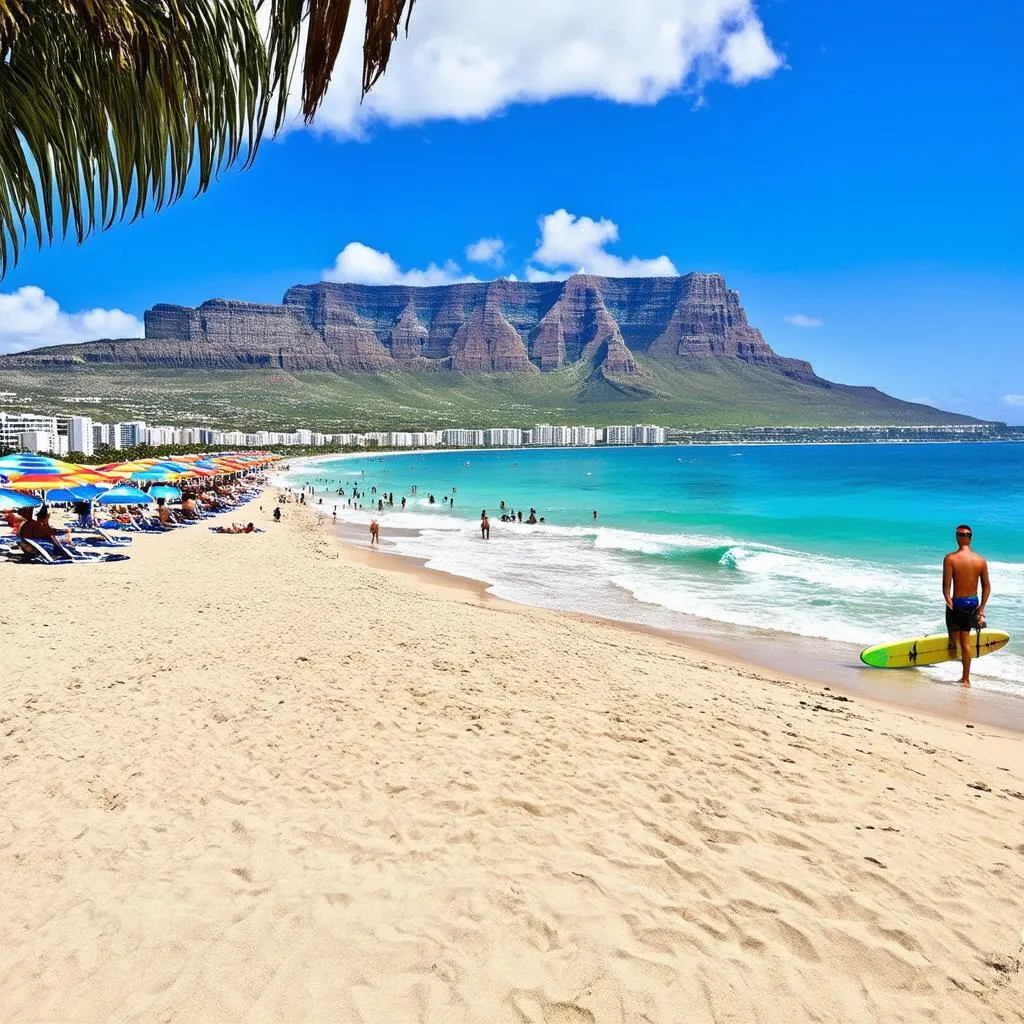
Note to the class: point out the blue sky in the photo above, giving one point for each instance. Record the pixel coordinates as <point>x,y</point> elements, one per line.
<point>855,168</point>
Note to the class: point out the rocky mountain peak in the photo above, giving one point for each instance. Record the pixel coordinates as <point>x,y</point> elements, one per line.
<point>497,326</point>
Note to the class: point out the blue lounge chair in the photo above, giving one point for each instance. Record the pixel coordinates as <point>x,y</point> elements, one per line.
<point>53,552</point>
<point>99,538</point>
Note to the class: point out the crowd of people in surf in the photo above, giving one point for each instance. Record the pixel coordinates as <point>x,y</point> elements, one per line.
<point>358,496</point>
<point>381,500</point>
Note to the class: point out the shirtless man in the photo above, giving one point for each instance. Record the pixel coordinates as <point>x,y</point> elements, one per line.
<point>961,571</point>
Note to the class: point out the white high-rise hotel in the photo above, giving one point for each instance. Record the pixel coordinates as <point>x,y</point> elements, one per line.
<point>27,430</point>
<point>503,437</point>
<point>641,433</point>
<point>80,437</point>
<point>544,435</point>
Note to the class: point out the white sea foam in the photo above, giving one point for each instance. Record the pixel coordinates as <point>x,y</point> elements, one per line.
<point>1009,577</point>
<point>850,575</point>
<point>739,609</point>
<point>610,539</point>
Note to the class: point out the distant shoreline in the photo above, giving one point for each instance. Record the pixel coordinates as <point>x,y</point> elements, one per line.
<point>370,452</point>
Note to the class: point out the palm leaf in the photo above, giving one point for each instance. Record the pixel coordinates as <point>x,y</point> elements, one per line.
<point>110,108</point>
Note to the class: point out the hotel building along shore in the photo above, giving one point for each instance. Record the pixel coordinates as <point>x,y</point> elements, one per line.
<point>63,434</point>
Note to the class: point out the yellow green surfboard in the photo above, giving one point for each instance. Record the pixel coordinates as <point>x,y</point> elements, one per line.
<point>930,650</point>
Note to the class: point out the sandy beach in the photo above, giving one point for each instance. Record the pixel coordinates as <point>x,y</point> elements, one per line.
<point>267,778</point>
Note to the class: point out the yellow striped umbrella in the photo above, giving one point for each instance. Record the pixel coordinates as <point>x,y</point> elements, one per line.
<point>40,482</point>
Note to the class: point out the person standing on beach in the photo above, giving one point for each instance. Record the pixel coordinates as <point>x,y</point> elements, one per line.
<point>374,533</point>
<point>485,525</point>
<point>962,571</point>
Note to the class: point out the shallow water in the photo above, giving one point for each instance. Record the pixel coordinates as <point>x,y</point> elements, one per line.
<point>840,543</point>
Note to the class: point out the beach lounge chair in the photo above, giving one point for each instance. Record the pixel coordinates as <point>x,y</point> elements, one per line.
<point>55,553</point>
<point>122,524</point>
<point>97,537</point>
<point>154,525</point>
<point>139,523</point>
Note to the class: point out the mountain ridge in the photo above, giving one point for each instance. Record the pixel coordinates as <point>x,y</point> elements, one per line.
<point>501,326</point>
<point>679,351</point>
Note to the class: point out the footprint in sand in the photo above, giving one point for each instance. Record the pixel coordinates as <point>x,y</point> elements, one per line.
<point>567,1013</point>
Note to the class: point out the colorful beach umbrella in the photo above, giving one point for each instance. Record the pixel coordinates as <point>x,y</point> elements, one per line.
<point>123,494</point>
<point>165,492</point>
<point>49,482</point>
<point>63,494</point>
<point>14,500</point>
<point>36,465</point>
<point>123,469</point>
<point>89,491</point>
<point>154,473</point>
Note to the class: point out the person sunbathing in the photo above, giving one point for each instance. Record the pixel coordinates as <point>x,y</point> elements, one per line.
<point>40,530</point>
<point>163,514</point>
<point>15,520</point>
<point>235,528</point>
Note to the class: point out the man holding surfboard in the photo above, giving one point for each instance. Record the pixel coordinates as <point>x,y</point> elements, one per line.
<point>962,570</point>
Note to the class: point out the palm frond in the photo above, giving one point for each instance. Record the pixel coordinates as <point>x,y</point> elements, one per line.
<point>327,22</point>
<point>383,18</point>
<point>110,108</point>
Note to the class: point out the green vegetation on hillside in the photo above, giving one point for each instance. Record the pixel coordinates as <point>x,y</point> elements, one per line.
<point>707,393</point>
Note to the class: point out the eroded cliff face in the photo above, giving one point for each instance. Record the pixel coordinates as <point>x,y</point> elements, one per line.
<point>497,326</point>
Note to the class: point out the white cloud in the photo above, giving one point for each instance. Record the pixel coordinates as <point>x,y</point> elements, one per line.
<point>470,60</point>
<point>1013,399</point>
<point>747,54</point>
<point>30,318</point>
<point>359,264</point>
<point>486,250</point>
<point>569,243</point>
<point>803,320</point>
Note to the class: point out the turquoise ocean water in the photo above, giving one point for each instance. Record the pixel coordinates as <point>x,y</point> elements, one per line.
<point>841,544</point>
